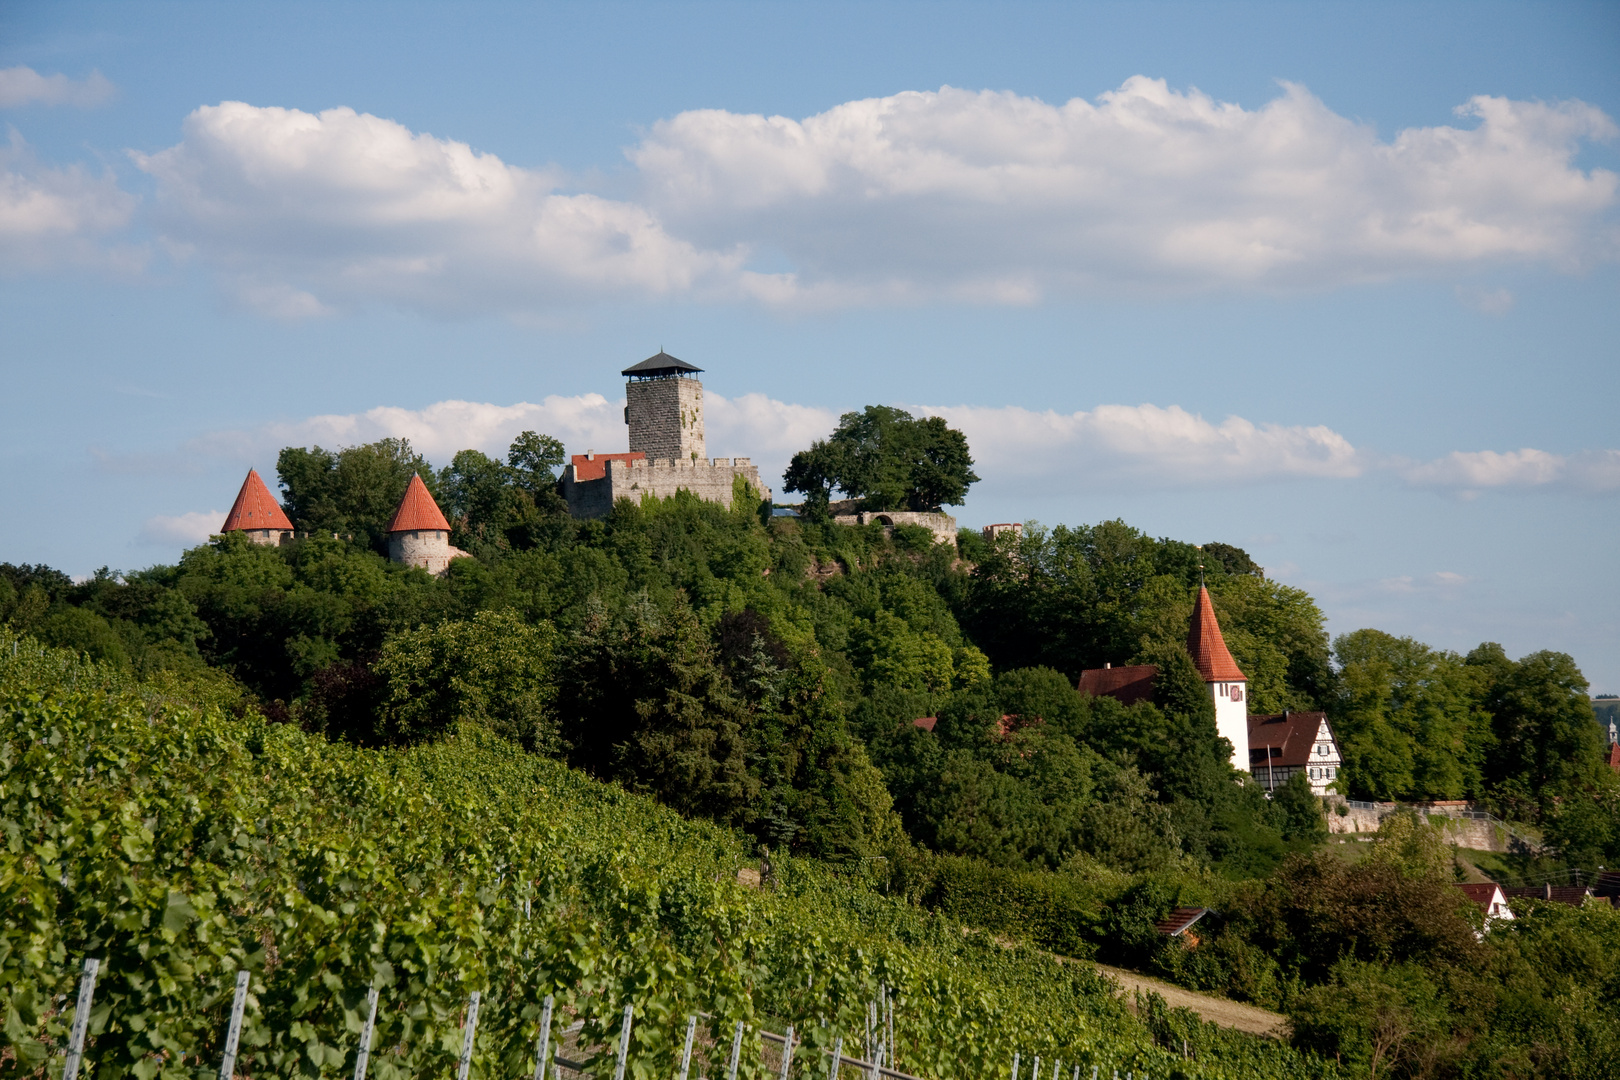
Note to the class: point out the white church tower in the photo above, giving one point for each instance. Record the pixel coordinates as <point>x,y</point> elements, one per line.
<point>1226,681</point>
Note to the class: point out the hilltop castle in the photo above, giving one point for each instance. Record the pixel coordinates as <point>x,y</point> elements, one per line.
<point>664,411</point>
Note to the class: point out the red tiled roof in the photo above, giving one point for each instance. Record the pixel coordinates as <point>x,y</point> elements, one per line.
<point>925,722</point>
<point>255,508</point>
<point>417,510</point>
<point>1128,684</point>
<point>1481,893</point>
<point>1289,738</point>
<point>1614,756</point>
<point>1179,920</point>
<point>594,466</point>
<point>1207,647</point>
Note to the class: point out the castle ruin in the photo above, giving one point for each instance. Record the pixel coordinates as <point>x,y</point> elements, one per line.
<point>664,411</point>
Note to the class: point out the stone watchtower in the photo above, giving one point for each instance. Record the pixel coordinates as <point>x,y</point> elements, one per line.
<point>667,450</point>
<point>664,408</point>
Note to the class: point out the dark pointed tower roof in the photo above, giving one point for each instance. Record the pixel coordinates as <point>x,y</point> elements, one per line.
<point>255,508</point>
<point>1206,646</point>
<point>660,365</point>
<point>417,510</point>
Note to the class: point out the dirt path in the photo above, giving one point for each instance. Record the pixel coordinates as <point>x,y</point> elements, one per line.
<point>1216,1010</point>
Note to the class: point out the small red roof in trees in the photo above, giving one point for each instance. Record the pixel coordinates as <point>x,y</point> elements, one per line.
<point>1614,756</point>
<point>594,466</point>
<point>255,508</point>
<point>417,510</point>
<point>1206,646</point>
<point>1128,684</point>
<point>1180,920</point>
<point>925,722</point>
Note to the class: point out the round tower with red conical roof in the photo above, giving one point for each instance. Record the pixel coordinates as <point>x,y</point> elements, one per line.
<point>256,514</point>
<point>419,535</point>
<point>1226,681</point>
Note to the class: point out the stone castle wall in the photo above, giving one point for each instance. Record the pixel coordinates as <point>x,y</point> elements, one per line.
<point>712,480</point>
<point>943,526</point>
<point>427,548</point>
<point>1482,833</point>
<point>666,418</point>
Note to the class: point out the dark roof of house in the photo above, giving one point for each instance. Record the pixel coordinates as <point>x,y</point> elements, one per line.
<point>1206,646</point>
<point>1573,895</point>
<point>1128,684</point>
<point>1179,920</point>
<point>657,365</point>
<point>255,508</point>
<point>1480,892</point>
<point>1288,738</point>
<point>594,466</point>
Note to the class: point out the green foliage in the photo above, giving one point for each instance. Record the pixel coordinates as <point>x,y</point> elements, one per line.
<point>1409,719</point>
<point>352,492</point>
<point>1077,598</point>
<point>180,847</point>
<point>494,670</point>
<point>886,459</point>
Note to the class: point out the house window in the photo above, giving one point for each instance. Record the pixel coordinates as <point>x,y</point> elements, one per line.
<point>1237,693</point>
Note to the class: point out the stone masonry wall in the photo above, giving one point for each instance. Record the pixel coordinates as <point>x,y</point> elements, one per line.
<point>666,418</point>
<point>943,526</point>
<point>711,480</point>
<point>1477,833</point>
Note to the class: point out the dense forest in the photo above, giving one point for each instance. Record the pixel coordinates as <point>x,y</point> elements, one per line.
<point>763,673</point>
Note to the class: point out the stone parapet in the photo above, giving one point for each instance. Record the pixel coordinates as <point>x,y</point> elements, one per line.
<point>713,480</point>
<point>943,526</point>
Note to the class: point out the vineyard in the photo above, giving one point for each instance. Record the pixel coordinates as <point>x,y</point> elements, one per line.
<point>179,844</point>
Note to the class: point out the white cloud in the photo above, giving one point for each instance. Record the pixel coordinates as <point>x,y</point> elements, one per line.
<point>186,529</point>
<point>24,85</point>
<point>1001,198</point>
<point>54,216</point>
<point>1472,471</point>
<point>1017,451</point>
<point>1144,444</point>
<point>1486,301</point>
<point>979,196</point>
<point>1443,582</point>
<point>302,211</point>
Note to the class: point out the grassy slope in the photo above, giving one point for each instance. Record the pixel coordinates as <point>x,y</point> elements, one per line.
<point>179,845</point>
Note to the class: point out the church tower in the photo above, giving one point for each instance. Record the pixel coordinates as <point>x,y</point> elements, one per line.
<point>1226,681</point>
<point>664,408</point>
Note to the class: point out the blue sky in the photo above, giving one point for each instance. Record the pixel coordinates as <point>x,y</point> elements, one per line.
<point>1334,282</point>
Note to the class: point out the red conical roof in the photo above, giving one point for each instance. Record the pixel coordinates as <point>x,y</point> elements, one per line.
<point>255,508</point>
<point>1207,647</point>
<point>417,510</point>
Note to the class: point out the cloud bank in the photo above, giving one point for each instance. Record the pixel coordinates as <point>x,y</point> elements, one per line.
<point>50,217</point>
<point>920,197</point>
<point>1145,446</point>
<point>186,530</point>
<point>25,86</point>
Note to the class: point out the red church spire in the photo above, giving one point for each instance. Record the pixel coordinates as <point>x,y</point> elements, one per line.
<point>1207,647</point>
<point>255,508</point>
<point>417,510</point>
